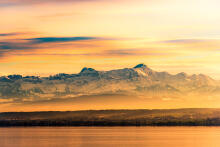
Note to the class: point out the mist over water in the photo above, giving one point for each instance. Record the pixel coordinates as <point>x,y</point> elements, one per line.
<point>109,136</point>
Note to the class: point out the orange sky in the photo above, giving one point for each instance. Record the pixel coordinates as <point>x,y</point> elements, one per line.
<point>51,36</point>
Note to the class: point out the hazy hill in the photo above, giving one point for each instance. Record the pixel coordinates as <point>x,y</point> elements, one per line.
<point>170,117</point>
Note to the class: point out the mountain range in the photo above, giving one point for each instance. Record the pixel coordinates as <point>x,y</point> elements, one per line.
<point>140,81</point>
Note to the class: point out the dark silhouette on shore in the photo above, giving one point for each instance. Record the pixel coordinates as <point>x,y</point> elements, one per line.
<point>166,117</point>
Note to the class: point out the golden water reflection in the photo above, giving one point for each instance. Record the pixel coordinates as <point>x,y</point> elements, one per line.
<point>110,136</point>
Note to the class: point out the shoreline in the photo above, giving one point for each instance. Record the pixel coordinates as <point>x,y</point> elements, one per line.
<point>140,117</point>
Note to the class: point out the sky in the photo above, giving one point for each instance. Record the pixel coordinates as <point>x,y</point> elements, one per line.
<point>46,37</point>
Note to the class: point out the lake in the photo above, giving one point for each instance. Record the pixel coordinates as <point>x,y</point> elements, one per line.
<point>110,137</point>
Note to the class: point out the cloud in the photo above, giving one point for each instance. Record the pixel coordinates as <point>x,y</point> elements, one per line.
<point>10,34</point>
<point>186,41</point>
<point>7,3</point>
<point>106,53</point>
<point>57,15</point>
<point>132,52</point>
<point>35,43</point>
<point>5,101</point>
<point>11,47</point>
<point>122,52</point>
<point>6,46</point>
<point>59,39</point>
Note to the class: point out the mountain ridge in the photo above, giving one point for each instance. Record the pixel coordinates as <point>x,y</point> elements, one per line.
<point>139,80</point>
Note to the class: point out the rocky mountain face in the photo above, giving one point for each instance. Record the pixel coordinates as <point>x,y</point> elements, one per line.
<point>139,81</point>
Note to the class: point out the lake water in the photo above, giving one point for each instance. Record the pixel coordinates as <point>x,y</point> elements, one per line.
<point>110,137</point>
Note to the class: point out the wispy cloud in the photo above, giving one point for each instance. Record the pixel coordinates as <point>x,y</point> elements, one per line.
<point>59,39</point>
<point>10,34</point>
<point>2,4</point>
<point>104,53</point>
<point>9,46</point>
<point>78,42</point>
<point>57,15</point>
<point>186,41</point>
<point>6,46</point>
<point>33,42</point>
<point>132,52</point>
<point>7,3</point>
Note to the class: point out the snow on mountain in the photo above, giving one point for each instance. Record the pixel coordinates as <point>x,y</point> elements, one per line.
<point>139,80</point>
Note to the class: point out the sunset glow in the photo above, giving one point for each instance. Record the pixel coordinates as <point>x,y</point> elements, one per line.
<point>53,36</point>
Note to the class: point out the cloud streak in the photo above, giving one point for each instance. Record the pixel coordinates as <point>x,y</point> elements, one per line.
<point>9,34</point>
<point>15,46</point>
<point>59,39</point>
<point>186,41</point>
<point>7,48</point>
<point>33,42</point>
<point>38,43</point>
<point>7,3</point>
<point>104,53</point>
